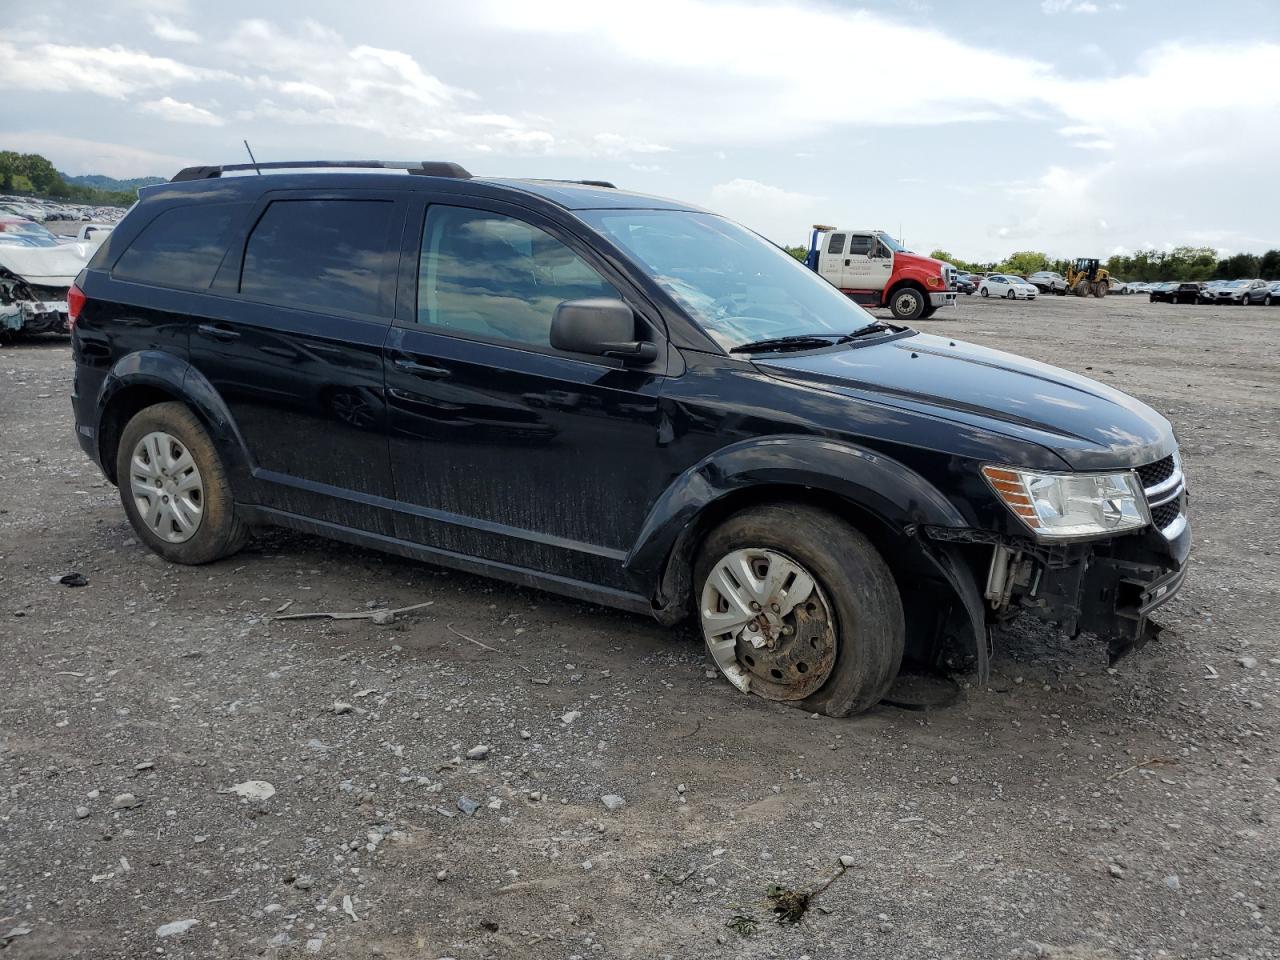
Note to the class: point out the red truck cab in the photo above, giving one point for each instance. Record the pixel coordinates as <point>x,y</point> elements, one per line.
<point>873,269</point>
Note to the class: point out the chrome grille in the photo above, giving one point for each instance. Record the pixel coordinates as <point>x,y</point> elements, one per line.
<point>1166,491</point>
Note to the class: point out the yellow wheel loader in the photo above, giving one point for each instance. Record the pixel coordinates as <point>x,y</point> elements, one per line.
<point>1085,277</point>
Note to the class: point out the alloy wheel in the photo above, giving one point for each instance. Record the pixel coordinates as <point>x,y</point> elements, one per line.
<point>166,487</point>
<point>767,625</point>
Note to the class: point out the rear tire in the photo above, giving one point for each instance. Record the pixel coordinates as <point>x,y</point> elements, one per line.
<point>907,303</point>
<point>854,611</point>
<point>185,463</point>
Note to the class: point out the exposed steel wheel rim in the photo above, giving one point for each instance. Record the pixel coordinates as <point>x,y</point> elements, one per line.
<point>906,301</point>
<point>166,487</point>
<point>767,624</point>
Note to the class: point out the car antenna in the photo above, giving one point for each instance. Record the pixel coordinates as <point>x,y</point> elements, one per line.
<point>252,158</point>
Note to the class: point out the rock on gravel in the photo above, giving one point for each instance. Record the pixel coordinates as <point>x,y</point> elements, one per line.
<point>478,752</point>
<point>252,790</point>
<point>175,929</point>
<point>613,802</point>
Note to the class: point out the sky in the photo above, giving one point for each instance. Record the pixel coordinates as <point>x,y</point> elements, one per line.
<point>1076,127</point>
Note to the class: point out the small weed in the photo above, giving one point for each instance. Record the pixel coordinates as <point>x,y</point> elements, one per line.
<point>743,924</point>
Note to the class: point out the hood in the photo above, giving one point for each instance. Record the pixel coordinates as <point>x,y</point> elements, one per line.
<point>47,266</point>
<point>928,264</point>
<point>1087,424</point>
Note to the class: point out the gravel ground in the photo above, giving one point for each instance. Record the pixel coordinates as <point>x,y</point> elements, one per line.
<point>1063,810</point>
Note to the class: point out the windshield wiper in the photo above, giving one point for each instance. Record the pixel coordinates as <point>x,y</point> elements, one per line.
<point>811,341</point>
<point>802,341</point>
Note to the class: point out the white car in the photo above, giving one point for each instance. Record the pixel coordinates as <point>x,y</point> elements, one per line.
<point>94,232</point>
<point>1011,288</point>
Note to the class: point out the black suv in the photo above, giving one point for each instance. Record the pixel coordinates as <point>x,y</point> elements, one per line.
<point>614,397</point>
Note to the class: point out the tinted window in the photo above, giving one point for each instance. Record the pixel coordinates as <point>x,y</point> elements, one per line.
<point>332,255</point>
<point>180,248</point>
<point>495,277</point>
<point>860,245</point>
<point>836,244</point>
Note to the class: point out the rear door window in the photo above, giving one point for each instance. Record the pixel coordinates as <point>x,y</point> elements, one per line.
<point>836,243</point>
<point>182,247</point>
<point>335,256</point>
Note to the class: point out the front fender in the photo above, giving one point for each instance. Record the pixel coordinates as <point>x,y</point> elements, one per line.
<point>899,498</point>
<point>894,493</point>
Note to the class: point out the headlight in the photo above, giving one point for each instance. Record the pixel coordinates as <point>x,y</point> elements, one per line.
<point>1071,505</point>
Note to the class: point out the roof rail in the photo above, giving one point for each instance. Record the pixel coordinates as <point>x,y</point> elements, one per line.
<point>422,168</point>
<point>585,183</point>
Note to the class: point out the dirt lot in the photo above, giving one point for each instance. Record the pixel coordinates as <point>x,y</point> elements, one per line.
<point>1064,810</point>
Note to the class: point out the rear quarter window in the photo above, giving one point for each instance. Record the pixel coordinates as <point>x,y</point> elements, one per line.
<point>182,247</point>
<point>328,255</point>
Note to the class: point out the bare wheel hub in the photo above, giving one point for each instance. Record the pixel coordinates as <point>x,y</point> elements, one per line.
<point>767,625</point>
<point>166,486</point>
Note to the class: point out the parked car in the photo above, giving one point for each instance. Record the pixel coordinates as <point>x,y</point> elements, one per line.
<point>965,285</point>
<point>1228,291</point>
<point>829,495</point>
<point>34,233</point>
<point>94,232</point>
<point>1273,293</point>
<point>1010,287</point>
<point>1254,291</point>
<point>1046,281</point>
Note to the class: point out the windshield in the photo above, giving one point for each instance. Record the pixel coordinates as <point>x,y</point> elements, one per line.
<point>738,286</point>
<point>891,243</point>
<point>1237,283</point>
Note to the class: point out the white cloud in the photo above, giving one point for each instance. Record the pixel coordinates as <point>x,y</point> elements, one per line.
<point>177,111</point>
<point>745,71</point>
<point>113,71</point>
<point>166,29</point>
<point>772,211</point>
<point>1069,6</point>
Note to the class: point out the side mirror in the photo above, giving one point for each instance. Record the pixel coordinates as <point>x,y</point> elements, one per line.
<point>600,326</point>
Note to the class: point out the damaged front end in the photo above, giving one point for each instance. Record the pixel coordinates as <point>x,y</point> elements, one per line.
<point>28,308</point>
<point>33,286</point>
<point>1108,586</point>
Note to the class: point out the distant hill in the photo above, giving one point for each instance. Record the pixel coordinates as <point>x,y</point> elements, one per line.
<point>96,181</point>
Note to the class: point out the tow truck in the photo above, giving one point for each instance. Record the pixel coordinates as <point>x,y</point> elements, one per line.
<point>873,269</point>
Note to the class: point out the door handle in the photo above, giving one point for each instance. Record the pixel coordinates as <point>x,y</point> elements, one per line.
<point>424,370</point>
<point>846,263</point>
<point>218,331</point>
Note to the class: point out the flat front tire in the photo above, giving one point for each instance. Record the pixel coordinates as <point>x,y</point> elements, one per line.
<point>796,605</point>
<point>174,487</point>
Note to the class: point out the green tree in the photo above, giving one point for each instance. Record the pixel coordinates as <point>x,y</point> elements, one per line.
<point>1269,265</point>
<point>1025,262</point>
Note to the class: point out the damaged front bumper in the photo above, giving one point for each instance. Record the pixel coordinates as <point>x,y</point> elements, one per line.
<point>34,316</point>
<point>1105,587</point>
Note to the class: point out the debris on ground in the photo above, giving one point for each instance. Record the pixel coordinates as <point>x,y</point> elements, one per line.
<point>252,790</point>
<point>175,929</point>
<point>380,617</point>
